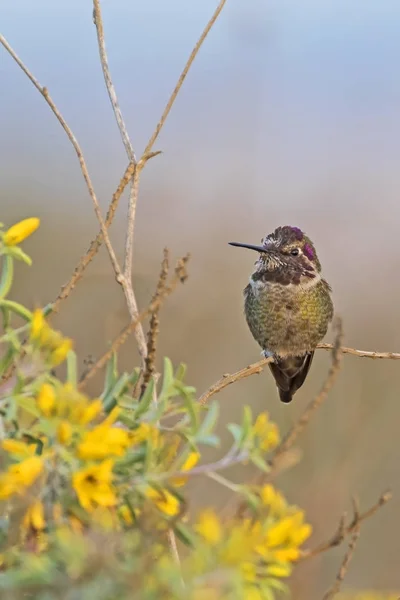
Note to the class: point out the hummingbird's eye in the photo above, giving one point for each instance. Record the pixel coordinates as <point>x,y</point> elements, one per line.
<point>295,251</point>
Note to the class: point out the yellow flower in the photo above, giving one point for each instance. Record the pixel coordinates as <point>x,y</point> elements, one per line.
<point>144,432</point>
<point>126,514</point>
<point>91,412</point>
<point>252,593</point>
<point>26,472</point>
<point>288,554</point>
<point>249,571</point>
<point>20,231</point>
<point>37,324</point>
<point>278,533</point>
<point>279,570</point>
<point>209,527</point>
<point>166,502</point>
<point>103,441</point>
<point>20,476</point>
<point>93,485</point>
<point>59,354</point>
<point>64,432</point>
<point>274,500</point>
<point>34,517</point>
<point>266,431</point>
<point>46,399</point>
<point>190,462</point>
<point>18,448</point>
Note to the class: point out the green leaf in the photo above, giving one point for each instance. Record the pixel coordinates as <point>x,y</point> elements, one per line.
<point>247,422</point>
<point>168,378</point>
<point>28,404</point>
<point>210,420</point>
<point>111,375</point>
<point>181,372</point>
<point>236,431</point>
<point>259,462</point>
<point>7,273</point>
<point>17,308</point>
<point>185,534</point>
<point>72,376</point>
<point>17,253</point>
<point>145,400</point>
<point>110,400</point>
<point>6,317</point>
<point>209,440</point>
<point>6,360</point>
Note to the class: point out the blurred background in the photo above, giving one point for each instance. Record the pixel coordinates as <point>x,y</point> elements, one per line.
<point>290,115</point>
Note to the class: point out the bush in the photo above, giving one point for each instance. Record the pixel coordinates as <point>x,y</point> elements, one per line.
<point>93,490</point>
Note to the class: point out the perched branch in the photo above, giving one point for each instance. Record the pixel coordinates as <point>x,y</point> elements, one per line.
<point>258,367</point>
<point>335,589</point>
<point>344,530</point>
<point>180,276</point>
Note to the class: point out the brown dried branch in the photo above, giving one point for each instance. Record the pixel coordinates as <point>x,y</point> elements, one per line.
<point>96,243</point>
<point>182,78</point>
<point>153,332</point>
<point>258,367</point>
<point>335,589</point>
<point>180,276</point>
<point>344,530</point>
<point>126,280</point>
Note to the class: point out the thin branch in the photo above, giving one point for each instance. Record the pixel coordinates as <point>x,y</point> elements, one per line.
<point>344,530</point>
<point>335,589</point>
<point>98,21</point>
<point>180,276</point>
<point>44,92</point>
<point>173,546</point>
<point>126,281</point>
<point>182,78</point>
<point>258,367</point>
<point>96,242</point>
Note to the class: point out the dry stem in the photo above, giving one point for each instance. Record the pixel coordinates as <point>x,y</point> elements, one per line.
<point>335,589</point>
<point>258,367</point>
<point>344,530</point>
<point>180,276</point>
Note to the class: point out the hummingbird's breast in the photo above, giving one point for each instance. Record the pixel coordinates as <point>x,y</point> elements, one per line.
<point>288,319</point>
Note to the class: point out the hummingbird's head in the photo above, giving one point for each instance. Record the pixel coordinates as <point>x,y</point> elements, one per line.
<point>285,256</point>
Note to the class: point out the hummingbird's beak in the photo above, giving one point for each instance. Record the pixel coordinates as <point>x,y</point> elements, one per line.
<point>249,246</point>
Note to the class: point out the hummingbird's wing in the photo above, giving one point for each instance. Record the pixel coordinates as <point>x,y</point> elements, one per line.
<point>290,374</point>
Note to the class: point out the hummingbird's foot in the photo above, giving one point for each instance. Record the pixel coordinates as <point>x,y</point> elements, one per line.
<point>267,354</point>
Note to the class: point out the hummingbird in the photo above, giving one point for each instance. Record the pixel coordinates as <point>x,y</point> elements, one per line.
<point>288,305</point>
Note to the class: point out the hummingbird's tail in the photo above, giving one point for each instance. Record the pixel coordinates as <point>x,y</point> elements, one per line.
<point>290,374</point>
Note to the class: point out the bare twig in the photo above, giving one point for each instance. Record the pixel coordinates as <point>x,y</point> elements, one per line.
<point>180,276</point>
<point>335,589</point>
<point>98,21</point>
<point>258,367</point>
<point>344,530</point>
<point>126,280</point>
<point>182,78</point>
<point>228,378</point>
<point>96,243</point>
